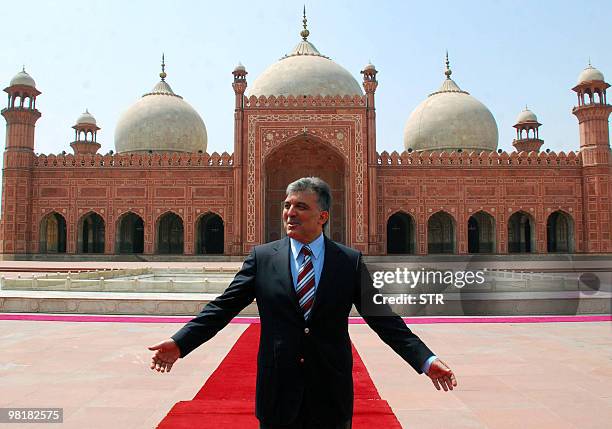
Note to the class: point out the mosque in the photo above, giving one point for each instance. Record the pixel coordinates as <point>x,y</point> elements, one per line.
<point>449,191</point>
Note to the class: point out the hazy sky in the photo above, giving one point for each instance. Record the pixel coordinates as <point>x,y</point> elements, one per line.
<point>104,55</point>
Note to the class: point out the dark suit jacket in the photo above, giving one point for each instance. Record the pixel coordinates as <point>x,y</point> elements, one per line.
<point>297,355</point>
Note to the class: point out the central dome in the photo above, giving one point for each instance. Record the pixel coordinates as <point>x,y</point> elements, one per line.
<point>305,72</point>
<point>160,121</point>
<point>451,119</point>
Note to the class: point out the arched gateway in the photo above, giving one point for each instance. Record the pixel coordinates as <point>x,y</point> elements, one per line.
<point>304,157</point>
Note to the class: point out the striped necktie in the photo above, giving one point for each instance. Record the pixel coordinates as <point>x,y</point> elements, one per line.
<point>306,282</point>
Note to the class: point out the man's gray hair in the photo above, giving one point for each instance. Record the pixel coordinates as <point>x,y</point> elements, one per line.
<point>313,184</point>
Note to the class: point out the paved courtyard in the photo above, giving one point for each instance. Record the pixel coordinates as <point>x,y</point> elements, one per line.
<point>531,375</point>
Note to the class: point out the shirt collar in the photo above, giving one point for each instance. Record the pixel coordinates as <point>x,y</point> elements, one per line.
<point>316,246</point>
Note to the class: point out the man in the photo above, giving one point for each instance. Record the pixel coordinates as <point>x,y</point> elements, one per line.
<point>305,286</point>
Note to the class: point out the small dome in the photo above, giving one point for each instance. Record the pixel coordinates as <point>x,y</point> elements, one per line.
<point>590,73</point>
<point>451,119</point>
<point>86,118</point>
<point>239,68</point>
<point>160,121</point>
<point>22,78</point>
<point>369,66</point>
<point>305,72</point>
<point>526,116</point>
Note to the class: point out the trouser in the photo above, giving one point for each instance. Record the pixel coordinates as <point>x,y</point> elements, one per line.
<point>302,424</point>
<point>307,419</point>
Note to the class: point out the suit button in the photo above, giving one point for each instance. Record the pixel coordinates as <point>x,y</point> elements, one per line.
<point>306,331</point>
<point>301,360</point>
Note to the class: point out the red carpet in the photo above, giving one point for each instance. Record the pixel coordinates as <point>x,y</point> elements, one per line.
<point>227,399</point>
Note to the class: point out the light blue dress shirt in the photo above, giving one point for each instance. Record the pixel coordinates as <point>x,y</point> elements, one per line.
<point>317,247</point>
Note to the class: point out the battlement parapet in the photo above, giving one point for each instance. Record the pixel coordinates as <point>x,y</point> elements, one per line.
<point>136,160</point>
<point>480,159</point>
<point>305,101</point>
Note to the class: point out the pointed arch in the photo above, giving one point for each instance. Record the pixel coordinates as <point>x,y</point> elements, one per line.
<point>441,233</point>
<point>91,230</point>
<point>129,233</point>
<point>521,233</point>
<point>481,233</point>
<point>300,157</point>
<point>52,233</point>
<point>400,233</point>
<point>170,234</point>
<point>560,232</point>
<point>210,234</point>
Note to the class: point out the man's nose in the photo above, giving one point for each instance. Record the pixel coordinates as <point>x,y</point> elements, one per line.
<point>291,210</point>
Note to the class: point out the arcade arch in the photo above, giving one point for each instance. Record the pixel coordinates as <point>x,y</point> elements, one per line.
<point>130,234</point>
<point>400,234</point>
<point>169,239</point>
<point>521,233</point>
<point>52,238</point>
<point>91,229</point>
<point>210,234</point>
<point>481,233</point>
<point>560,233</point>
<point>441,233</point>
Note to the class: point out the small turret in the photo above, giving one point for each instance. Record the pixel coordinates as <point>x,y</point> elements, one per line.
<point>85,134</point>
<point>527,132</point>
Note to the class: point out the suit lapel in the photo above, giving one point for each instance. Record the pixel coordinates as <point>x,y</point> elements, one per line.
<point>326,283</point>
<point>283,271</point>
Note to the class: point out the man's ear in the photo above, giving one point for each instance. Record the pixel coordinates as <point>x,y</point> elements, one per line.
<point>324,216</point>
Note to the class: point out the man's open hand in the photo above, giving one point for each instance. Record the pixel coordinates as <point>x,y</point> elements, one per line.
<point>442,375</point>
<point>166,353</point>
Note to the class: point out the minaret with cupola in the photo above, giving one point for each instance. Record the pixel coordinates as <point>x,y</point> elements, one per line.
<point>240,86</point>
<point>21,113</point>
<point>370,83</point>
<point>527,132</point>
<point>85,134</point>
<point>592,112</point>
<point>21,116</point>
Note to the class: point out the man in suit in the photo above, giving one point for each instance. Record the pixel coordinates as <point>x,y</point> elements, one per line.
<point>304,286</point>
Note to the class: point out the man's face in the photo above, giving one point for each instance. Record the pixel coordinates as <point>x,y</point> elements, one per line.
<point>302,216</point>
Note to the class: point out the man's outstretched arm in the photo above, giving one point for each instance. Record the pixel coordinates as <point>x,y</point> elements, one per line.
<point>214,317</point>
<point>441,375</point>
<point>166,353</point>
<point>393,331</point>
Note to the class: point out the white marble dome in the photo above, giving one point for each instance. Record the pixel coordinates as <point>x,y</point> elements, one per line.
<point>22,78</point>
<point>590,73</point>
<point>305,72</point>
<point>86,118</point>
<point>526,116</point>
<point>160,121</point>
<point>451,119</point>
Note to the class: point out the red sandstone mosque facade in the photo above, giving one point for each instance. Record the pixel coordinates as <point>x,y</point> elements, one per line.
<point>449,191</point>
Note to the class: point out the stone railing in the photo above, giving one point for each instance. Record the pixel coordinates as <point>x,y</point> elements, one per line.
<point>211,280</point>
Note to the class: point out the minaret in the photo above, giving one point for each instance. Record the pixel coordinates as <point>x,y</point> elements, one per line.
<point>592,113</point>
<point>239,85</point>
<point>527,132</point>
<point>85,134</point>
<point>21,116</point>
<point>370,84</point>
